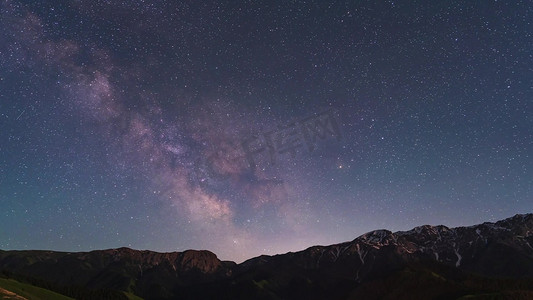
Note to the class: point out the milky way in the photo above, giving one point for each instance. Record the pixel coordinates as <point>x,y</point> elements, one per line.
<point>249,128</point>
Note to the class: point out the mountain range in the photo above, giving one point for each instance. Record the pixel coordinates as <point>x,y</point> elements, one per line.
<point>485,261</point>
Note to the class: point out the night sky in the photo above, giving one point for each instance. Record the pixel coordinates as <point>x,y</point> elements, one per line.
<point>259,128</point>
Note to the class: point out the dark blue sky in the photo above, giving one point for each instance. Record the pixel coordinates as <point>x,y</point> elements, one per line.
<point>248,128</point>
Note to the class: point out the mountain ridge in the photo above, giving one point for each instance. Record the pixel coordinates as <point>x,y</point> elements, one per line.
<point>500,250</point>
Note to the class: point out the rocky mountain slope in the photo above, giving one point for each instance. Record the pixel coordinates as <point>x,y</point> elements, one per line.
<point>429,261</point>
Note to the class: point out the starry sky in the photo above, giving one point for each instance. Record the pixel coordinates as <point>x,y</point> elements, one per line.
<point>251,128</point>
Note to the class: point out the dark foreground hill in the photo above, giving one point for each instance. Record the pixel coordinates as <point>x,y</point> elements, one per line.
<point>486,261</point>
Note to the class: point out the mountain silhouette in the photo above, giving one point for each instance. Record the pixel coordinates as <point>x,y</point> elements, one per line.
<point>485,261</point>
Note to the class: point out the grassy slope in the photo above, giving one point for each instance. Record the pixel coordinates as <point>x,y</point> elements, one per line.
<point>132,296</point>
<point>29,291</point>
<point>441,282</point>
